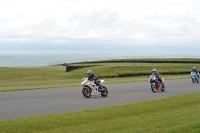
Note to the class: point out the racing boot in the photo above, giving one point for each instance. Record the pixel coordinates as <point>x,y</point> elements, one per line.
<point>100,88</point>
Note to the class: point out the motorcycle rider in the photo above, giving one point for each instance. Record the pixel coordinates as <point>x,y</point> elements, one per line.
<point>157,75</point>
<point>92,77</point>
<point>195,70</point>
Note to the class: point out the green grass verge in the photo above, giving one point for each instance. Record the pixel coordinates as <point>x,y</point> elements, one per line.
<point>176,114</point>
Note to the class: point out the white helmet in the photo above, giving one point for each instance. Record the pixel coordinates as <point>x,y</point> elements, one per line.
<point>154,71</point>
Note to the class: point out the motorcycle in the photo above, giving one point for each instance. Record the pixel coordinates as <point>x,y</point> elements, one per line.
<point>90,88</point>
<point>194,77</point>
<point>156,84</point>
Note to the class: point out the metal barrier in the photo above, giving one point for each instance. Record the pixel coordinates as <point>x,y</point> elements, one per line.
<point>120,57</point>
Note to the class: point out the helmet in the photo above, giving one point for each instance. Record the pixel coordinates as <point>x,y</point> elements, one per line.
<point>193,68</point>
<point>89,72</point>
<point>154,71</point>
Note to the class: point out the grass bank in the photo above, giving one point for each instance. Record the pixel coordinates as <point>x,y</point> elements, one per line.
<point>127,71</point>
<point>56,77</point>
<point>168,115</point>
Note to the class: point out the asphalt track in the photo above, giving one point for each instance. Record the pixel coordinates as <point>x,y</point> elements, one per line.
<point>30,103</point>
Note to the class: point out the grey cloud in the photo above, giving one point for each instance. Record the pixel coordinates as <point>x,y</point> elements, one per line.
<point>181,26</point>
<point>38,31</point>
<point>3,20</point>
<point>112,29</point>
<point>97,21</point>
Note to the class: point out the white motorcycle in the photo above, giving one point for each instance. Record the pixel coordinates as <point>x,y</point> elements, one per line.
<point>90,88</point>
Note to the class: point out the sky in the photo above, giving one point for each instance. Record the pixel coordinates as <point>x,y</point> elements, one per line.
<point>99,25</point>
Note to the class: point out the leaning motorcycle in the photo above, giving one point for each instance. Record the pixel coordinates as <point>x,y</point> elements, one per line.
<point>156,84</point>
<point>90,88</point>
<point>194,77</point>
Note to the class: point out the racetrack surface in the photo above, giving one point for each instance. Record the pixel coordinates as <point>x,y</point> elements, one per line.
<point>29,103</point>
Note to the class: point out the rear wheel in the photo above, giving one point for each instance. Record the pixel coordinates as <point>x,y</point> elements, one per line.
<point>153,87</point>
<point>104,91</point>
<point>86,92</point>
<point>163,87</point>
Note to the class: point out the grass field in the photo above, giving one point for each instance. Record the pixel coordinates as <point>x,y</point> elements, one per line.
<point>56,77</point>
<point>176,114</point>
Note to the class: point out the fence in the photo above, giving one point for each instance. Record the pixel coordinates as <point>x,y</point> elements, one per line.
<point>121,57</point>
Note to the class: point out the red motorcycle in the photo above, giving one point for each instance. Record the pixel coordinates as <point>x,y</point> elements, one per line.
<point>156,84</point>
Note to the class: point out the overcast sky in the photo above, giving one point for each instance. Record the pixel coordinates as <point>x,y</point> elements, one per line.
<point>99,24</point>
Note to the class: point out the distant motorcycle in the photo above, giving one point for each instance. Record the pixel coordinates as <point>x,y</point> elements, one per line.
<point>156,84</point>
<point>194,77</point>
<point>90,88</point>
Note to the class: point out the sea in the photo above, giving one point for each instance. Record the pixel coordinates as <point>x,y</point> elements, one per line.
<point>47,58</point>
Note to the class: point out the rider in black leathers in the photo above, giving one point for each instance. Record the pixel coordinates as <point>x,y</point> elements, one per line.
<point>92,77</point>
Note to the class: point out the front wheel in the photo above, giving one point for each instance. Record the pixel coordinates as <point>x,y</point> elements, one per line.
<point>163,87</point>
<point>192,80</point>
<point>104,91</point>
<point>153,87</point>
<point>86,92</point>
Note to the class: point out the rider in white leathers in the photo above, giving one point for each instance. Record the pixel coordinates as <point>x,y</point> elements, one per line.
<point>157,75</point>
